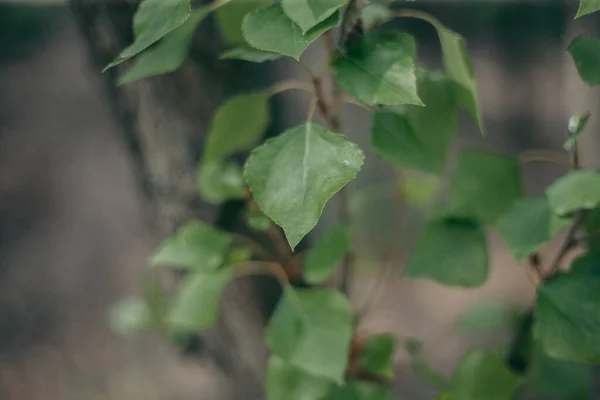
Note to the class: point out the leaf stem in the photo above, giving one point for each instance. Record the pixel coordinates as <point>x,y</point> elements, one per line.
<point>262,268</point>
<point>283,86</point>
<point>543,155</point>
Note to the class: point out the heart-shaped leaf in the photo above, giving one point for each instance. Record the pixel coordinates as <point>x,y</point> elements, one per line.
<point>309,13</point>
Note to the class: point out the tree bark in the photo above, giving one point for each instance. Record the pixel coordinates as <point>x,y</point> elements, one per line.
<point>164,121</point>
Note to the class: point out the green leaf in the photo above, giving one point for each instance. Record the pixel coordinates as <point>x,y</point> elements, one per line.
<point>286,382</point>
<point>488,316</point>
<point>483,375</point>
<point>129,317</point>
<point>238,255</point>
<point>218,182</point>
<point>577,124</point>
<point>587,7</point>
<point>379,69</point>
<point>195,246</point>
<point>459,67</point>
<point>247,53</point>
<point>378,356</point>
<point>153,20</point>
<point>230,16</point>
<point>562,379</point>
<point>442,396</point>
<point>420,191</point>
<point>451,252</point>
<point>574,191</point>
<point>311,329</point>
<point>269,29</point>
<point>196,304</point>
<point>585,51</point>
<point>309,13</point>
<point>592,230</point>
<point>237,126</point>
<point>374,13</point>
<point>484,185</point>
<point>418,137</point>
<point>293,175</point>
<point>567,322</point>
<point>528,225</point>
<point>325,256</point>
<point>420,366</point>
<point>257,220</point>
<point>359,390</point>
<point>169,54</point>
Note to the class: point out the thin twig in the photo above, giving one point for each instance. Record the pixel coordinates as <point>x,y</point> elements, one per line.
<point>542,155</point>
<point>351,100</point>
<point>262,268</point>
<point>292,85</point>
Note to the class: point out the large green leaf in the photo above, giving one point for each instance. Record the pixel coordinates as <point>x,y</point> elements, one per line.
<point>451,252</point>
<point>587,7</point>
<point>196,246</point>
<point>153,20</point>
<point>379,69</point>
<point>418,137</point>
<point>218,182</point>
<point>484,185</point>
<point>577,190</point>
<point>359,390</point>
<point>585,51</point>
<point>247,53</point>
<point>169,54</point>
<point>483,375</point>
<point>196,304</point>
<point>567,322</point>
<point>286,382</point>
<point>528,225</point>
<point>459,67</point>
<point>237,126</point>
<point>309,13</point>
<point>378,355</point>
<point>325,256</point>
<point>230,16</point>
<point>562,380</point>
<point>269,29</point>
<point>293,175</point>
<point>311,329</point>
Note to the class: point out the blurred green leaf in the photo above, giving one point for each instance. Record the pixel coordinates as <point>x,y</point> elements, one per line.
<point>196,303</point>
<point>169,54</point>
<point>153,20</point>
<point>237,126</point>
<point>269,29</point>
<point>196,245</point>
<point>488,316</point>
<point>218,182</point>
<point>238,255</point>
<point>286,382</point>
<point>247,53</point>
<point>359,390</point>
<point>378,356</point>
<point>484,185</point>
<point>379,69</point>
<point>587,7</point>
<point>459,67</point>
<point>230,16</point>
<point>257,220</point>
<point>373,13</point>
<point>480,375</point>
<point>585,51</point>
<point>311,329</point>
<point>562,380</point>
<point>324,257</point>
<point>129,317</point>
<point>577,190</point>
<point>567,322</point>
<point>451,252</point>
<point>577,124</point>
<point>528,225</point>
<point>309,13</point>
<point>419,191</point>
<point>293,175</point>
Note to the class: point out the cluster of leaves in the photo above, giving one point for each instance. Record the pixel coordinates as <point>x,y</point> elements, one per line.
<point>316,351</point>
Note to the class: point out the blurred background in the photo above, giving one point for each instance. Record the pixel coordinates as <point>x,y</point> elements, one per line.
<point>93,175</point>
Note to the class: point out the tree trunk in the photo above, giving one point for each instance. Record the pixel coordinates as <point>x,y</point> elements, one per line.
<point>164,121</point>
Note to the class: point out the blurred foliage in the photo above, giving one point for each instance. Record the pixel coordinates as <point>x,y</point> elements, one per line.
<point>23,27</point>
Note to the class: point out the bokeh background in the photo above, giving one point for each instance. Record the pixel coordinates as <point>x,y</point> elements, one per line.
<point>76,229</point>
